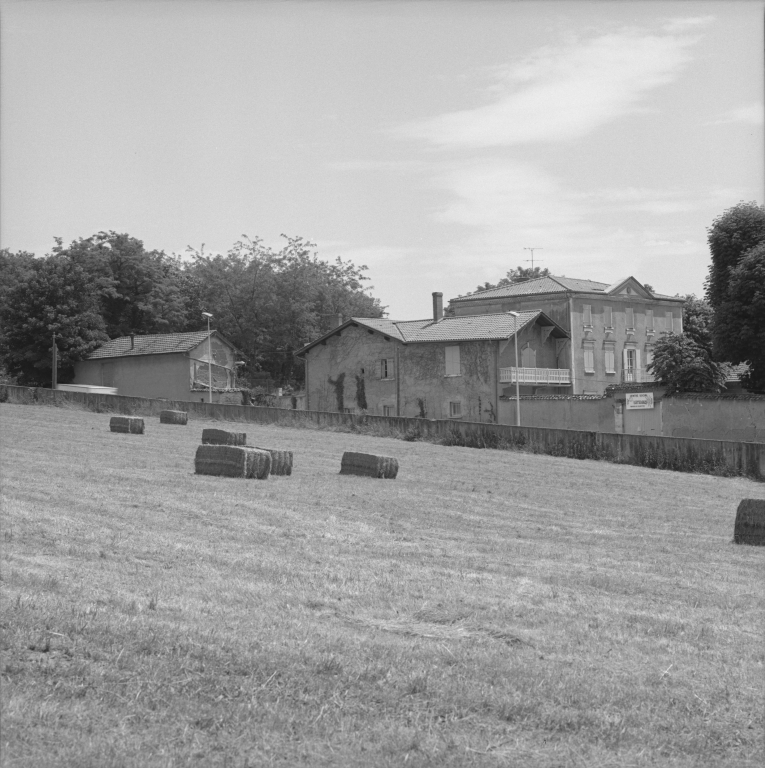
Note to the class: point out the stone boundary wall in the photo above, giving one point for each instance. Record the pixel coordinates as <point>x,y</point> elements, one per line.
<point>717,457</point>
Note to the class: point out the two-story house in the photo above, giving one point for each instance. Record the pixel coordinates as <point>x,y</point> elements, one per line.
<point>612,327</point>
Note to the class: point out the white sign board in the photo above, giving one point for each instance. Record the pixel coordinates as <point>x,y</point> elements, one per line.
<point>639,400</point>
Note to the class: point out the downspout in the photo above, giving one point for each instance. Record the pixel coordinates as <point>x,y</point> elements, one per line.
<point>496,386</point>
<point>398,380</point>
<point>571,339</point>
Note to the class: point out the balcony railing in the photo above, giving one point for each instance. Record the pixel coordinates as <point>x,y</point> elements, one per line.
<point>555,376</point>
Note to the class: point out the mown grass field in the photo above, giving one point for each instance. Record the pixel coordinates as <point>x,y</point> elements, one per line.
<point>486,608</point>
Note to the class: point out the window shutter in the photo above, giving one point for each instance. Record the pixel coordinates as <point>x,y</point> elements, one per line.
<point>638,377</point>
<point>391,371</point>
<point>624,360</point>
<point>380,369</point>
<point>649,319</point>
<point>630,317</point>
<point>608,319</point>
<point>587,314</point>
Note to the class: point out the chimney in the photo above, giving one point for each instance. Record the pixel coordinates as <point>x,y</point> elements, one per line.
<point>337,321</point>
<point>132,341</point>
<point>438,306</point>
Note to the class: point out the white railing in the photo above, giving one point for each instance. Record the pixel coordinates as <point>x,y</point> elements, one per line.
<point>535,375</point>
<point>635,376</point>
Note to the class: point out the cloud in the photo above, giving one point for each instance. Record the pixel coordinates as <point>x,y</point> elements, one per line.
<point>563,92</point>
<point>750,114</point>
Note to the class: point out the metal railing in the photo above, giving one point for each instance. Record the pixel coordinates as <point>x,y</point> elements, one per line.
<point>535,375</point>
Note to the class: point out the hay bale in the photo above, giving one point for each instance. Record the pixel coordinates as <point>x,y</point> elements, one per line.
<point>222,437</point>
<point>173,417</point>
<point>281,461</point>
<point>133,425</point>
<point>232,461</point>
<point>749,527</point>
<point>369,465</point>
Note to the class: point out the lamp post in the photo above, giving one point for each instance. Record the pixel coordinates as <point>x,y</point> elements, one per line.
<point>517,374</point>
<point>209,353</point>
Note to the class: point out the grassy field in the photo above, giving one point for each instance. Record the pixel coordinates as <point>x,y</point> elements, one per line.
<point>485,608</point>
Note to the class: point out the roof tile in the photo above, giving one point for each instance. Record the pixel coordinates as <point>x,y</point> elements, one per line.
<point>155,344</point>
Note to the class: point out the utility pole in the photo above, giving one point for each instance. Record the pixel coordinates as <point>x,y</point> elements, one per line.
<point>209,352</point>
<point>532,255</point>
<point>54,364</point>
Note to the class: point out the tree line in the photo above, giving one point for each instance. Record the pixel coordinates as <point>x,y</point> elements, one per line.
<point>267,302</point>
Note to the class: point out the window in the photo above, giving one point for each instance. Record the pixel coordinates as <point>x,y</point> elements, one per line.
<point>677,323</point>
<point>610,358</point>
<point>658,323</point>
<point>649,320</point>
<point>528,357</point>
<point>587,314</point>
<point>589,357</point>
<point>386,368</point>
<point>630,317</point>
<point>608,317</point>
<point>388,410</point>
<point>455,410</point>
<point>452,359</point>
<point>668,326</point>
<point>631,365</point>
<point>648,356</point>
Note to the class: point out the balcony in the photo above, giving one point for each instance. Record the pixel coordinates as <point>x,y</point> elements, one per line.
<point>554,376</point>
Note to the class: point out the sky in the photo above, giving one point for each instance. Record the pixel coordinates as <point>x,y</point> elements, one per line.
<point>433,142</point>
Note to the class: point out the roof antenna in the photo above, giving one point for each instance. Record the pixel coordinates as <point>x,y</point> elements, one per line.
<point>532,255</point>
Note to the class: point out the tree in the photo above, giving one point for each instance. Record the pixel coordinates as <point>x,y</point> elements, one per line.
<point>139,291</point>
<point>740,318</point>
<point>735,289</point>
<point>698,318</point>
<point>270,303</point>
<point>683,365</point>
<point>517,275</point>
<point>58,297</point>
<point>731,235</point>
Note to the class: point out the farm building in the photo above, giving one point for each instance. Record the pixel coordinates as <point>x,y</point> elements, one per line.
<point>439,368</point>
<point>175,366</point>
<point>612,327</point>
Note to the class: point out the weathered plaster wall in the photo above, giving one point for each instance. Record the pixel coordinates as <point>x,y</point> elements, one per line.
<point>595,415</point>
<point>427,392</point>
<point>338,372</point>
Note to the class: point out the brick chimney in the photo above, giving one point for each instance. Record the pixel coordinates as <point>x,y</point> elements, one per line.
<point>438,306</point>
<point>337,321</point>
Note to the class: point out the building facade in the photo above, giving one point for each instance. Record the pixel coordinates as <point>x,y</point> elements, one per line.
<point>175,366</point>
<point>440,368</point>
<point>612,327</point>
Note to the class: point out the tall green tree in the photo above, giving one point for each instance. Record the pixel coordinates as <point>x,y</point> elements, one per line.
<point>270,303</point>
<point>698,318</point>
<point>139,291</point>
<point>735,289</point>
<point>57,297</point>
<point>739,327</point>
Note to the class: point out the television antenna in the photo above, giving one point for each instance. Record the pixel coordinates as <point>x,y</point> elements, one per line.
<point>532,255</point>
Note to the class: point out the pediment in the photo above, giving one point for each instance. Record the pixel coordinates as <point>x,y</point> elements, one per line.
<point>629,287</point>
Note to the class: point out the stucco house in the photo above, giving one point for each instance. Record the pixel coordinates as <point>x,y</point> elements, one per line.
<point>439,368</point>
<point>175,366</point>
<point>612,327</point>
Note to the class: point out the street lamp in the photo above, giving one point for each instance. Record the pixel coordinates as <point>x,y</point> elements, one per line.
<point>209,353</point>
<point>517,374</point>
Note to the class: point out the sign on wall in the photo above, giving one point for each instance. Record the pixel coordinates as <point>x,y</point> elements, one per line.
<point>639,400</point>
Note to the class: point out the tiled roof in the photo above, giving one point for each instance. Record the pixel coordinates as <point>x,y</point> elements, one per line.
<point>156,344</point>
<point>500,325</point>
<point>547,284</point>
<point>468,328</point>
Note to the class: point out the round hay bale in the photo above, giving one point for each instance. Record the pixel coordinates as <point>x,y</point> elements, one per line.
<point>369,465</point>
<point>174,417</point>
<point>132,425</point>
<point>749,527</point>
<point>223,437</point>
